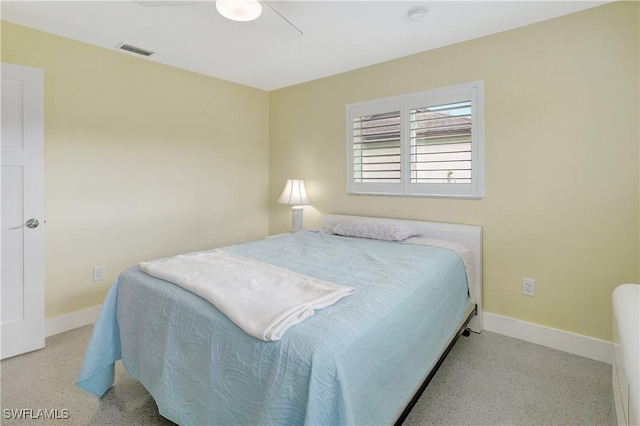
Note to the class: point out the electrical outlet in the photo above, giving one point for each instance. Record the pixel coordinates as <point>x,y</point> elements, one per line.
<point>98,273</point>
<point>528,287</point>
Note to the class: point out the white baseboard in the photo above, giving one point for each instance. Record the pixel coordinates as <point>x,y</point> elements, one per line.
<point>577,344</point>
<point>565,341</point>
<point>72,320</point>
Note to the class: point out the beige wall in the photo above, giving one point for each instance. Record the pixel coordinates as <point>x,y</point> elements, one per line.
<point>139,156</point>
<point>562,158</point>
<point>141,161</point>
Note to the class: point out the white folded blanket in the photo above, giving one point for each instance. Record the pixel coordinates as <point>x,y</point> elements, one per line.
<point>262,299</point>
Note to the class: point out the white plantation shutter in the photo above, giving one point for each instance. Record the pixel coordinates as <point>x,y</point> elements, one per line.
<point>375,148</point>
<point>423,144</point>
<point>441,144</point>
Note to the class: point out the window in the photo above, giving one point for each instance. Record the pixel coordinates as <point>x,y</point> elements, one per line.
<point>427,144</point>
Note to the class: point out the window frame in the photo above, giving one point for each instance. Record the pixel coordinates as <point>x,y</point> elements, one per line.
<point>473,91</point>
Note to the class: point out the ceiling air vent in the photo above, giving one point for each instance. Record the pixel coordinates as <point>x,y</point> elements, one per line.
<point>135,49</point>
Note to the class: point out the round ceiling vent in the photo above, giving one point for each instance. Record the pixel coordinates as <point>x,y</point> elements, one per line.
<point>417,15</point>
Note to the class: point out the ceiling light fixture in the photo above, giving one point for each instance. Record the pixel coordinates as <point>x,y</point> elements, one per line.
<point>416,15</point>
<point>239,10</point>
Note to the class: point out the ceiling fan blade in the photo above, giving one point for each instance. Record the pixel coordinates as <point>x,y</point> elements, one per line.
<point>280,26</point>
<point>274,21</point>
<point>160,3</point>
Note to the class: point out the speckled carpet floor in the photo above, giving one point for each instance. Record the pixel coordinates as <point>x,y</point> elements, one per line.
<point>487,379</point>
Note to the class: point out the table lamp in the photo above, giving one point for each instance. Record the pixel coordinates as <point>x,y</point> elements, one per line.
<point>295,195</point>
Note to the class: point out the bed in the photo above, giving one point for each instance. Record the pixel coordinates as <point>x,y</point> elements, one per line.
<point>363,360</point>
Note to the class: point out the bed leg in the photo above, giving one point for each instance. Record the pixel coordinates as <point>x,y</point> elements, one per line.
<point>466,332</point>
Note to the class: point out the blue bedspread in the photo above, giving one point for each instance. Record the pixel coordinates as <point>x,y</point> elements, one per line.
<point>356,362</point>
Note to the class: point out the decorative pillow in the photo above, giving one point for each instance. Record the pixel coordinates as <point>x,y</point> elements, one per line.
<point>376,230</point>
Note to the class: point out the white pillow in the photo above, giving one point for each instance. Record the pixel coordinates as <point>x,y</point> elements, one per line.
<point>377,230</point>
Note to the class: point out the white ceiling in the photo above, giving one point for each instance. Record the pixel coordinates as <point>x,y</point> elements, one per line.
<point>268,53</point>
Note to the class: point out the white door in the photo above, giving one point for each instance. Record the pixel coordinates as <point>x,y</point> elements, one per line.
<point>22,230</point>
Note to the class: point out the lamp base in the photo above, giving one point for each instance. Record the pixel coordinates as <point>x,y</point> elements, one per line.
<point>296,217</point>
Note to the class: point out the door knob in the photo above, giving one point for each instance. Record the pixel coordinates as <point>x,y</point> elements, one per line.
<point>31,223</point>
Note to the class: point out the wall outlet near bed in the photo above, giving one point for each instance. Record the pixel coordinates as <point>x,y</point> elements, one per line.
<point>98,273</point>
<point>528,287</point>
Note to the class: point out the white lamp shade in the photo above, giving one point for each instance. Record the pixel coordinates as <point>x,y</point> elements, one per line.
<point>239,10</point>
<point>294,193</point>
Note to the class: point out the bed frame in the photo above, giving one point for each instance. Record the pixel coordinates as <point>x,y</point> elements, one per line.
<point>471,237</point>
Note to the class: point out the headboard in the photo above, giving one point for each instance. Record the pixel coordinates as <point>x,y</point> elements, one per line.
<point>469,235</point>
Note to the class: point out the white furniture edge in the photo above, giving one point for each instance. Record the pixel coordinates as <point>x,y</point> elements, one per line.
<point>626,353</point>
<point>554,338</point>
<point>468,235</point>
<point>618,406</point>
